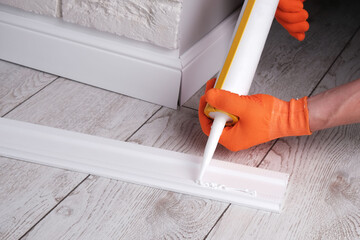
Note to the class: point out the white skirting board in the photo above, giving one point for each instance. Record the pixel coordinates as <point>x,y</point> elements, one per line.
<point>173,171</point>
<point>121,65</point>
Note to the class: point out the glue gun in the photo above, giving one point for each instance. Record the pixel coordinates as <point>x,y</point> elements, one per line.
<point>237,73</point>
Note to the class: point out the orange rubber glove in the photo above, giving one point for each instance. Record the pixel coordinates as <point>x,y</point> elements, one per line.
<point>261,117</point>
<point>292,16</point>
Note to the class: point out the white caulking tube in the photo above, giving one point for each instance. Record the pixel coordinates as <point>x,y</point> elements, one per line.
<point>238,71</point>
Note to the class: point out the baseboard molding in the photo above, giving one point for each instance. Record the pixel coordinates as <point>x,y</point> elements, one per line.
<point>238,184</point>
<point>121,65</point>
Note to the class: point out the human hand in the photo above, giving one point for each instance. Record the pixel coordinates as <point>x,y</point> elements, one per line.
<point>292,16</point>
<point>261,117</point>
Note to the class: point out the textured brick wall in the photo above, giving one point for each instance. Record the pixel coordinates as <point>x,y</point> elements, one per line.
<point>44,7</point>
<point>153,21</point>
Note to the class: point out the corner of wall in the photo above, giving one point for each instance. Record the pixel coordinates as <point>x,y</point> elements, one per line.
<point>199,17</point>
<point>59,9</point>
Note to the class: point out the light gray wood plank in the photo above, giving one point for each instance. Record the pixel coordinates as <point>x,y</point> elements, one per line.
<point>77,107</point>
<point>323,200</point>
<point>107,209</point>
<point>18,83</point>
<point>27,192</point>
<point>72,106</point>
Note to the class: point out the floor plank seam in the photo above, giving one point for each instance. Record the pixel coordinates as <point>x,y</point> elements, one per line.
<point>190,108</point>
<point>267,153</point>
<point>217,221</point>
<point>337,57</point>
<point>31,96</point>
<point>43,217</point>
<point>128,138</point>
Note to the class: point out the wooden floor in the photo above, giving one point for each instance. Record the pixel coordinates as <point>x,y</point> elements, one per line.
<point>323,198</point>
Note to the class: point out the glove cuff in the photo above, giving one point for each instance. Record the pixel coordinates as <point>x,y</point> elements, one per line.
<point>292,119</point>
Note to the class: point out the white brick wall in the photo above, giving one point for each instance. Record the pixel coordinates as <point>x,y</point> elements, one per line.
<point>43,7</point>
<point>154,21</point>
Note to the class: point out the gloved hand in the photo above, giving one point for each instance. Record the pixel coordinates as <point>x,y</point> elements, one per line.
<point>261,117</point>
<point>292,16</point>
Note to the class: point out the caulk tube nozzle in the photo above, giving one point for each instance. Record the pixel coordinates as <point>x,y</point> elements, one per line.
<point>239,68</point>
<point>217,128</point>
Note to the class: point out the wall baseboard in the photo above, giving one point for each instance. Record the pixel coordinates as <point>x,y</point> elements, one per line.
<point>117,64</point>
<point>173,171</point>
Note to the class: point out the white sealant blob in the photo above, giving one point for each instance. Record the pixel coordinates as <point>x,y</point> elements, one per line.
<point>217,186</point>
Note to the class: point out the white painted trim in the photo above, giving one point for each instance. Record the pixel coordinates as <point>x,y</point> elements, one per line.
<point>141,165</point>
<point>121,65</point>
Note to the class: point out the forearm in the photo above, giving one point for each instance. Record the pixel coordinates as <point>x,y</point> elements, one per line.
<point>335,107</point>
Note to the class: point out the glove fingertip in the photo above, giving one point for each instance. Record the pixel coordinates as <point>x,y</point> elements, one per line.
<point>307,26</point>
<point>290,6</point>
<point>301,37</point>
<point>205,122</point>
<point>298,35</point>
<point>305,14</point>
<point>225,101</point>
<point>212,96</point>
<point>210,84</point>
